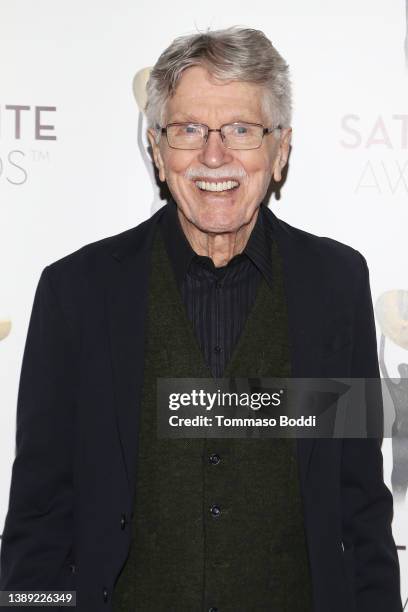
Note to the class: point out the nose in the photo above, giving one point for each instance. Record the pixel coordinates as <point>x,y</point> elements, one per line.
<point>214,153</point>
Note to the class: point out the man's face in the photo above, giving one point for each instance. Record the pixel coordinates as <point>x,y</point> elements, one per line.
<point>200,99</point>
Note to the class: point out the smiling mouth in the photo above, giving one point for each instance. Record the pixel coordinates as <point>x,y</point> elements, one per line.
<point>217,186</point>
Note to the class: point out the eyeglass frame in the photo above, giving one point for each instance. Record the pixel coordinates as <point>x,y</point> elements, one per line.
<point>163,130</point>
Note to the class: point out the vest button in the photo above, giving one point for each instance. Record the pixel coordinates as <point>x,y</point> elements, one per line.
<point>213,610</point>
<point>214,458</point>
<point>105,594</point>
<point>123,521</point>
<point>72,568</point>
<point>218,285</point>
<point>217,348</point>
<point>215,511</point>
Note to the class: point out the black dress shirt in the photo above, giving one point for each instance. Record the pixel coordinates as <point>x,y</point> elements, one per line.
<point>217,300</point>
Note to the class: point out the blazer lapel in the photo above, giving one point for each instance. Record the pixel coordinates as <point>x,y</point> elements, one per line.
<point>126,303</point>
<point>306,312</point>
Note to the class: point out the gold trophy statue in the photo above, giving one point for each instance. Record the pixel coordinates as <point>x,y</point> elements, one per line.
<point>139,91</point>
<point>5,327</point>
<point>392,314</point>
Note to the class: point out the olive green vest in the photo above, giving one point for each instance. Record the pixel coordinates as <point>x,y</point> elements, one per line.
<point>183,558</point>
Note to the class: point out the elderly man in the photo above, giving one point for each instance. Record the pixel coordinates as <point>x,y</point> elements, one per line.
<point>213,285</point>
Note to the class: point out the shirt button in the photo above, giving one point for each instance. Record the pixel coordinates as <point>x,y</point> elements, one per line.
<point>218,285</point>
<point>217,348</point>
<point>105,594</point>
<point>123,521</point>
<point>215,511</point>
<point>214,458</point>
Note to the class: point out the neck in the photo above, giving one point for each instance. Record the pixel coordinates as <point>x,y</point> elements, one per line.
<point>222,247</point>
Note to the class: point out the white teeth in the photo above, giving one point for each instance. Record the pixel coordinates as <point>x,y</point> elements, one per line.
<point>216,186</point>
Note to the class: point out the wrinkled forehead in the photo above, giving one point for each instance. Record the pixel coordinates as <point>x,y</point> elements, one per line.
<point>199,97</point>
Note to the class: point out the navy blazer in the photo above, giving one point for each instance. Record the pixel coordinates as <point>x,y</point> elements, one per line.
<point>73,477</point>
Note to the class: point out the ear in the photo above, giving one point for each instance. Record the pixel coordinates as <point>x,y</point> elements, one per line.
<point>158,160</point>
<point>282,155</point>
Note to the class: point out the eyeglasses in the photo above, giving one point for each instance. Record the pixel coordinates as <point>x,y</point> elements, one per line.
<point>239,135</point>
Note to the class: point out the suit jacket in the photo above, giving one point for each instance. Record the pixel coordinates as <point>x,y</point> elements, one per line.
<point>73,477</point>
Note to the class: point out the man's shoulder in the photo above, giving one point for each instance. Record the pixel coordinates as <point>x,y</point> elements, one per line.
<point>328,250</point>
<point>96,255</point>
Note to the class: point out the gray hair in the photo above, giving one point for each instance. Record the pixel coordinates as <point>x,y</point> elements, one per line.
<point>235,53</point>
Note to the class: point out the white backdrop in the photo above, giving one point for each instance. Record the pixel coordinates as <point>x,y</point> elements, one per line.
<point>71,170</point>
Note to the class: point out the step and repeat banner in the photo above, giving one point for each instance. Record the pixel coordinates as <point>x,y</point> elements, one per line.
<point>74,165</point>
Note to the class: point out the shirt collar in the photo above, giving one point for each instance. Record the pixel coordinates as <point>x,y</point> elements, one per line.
<point>181,253</point>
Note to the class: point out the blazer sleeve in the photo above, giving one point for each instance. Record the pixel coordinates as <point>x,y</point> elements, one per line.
<point>367,504</point>
<point>37,536</point>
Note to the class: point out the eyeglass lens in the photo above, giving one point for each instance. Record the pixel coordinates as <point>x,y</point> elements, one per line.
<point>235,136</point>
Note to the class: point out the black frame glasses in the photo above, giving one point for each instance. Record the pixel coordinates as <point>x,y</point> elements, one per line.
<point>163,130</point>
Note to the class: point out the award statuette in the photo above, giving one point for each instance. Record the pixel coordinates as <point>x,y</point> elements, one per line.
<point>392,314</point>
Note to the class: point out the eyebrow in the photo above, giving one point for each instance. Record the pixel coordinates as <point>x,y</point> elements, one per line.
<point>183,117</point>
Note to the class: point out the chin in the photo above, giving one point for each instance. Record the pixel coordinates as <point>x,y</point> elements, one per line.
<point>218,224</point>
<point>218,220</point>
